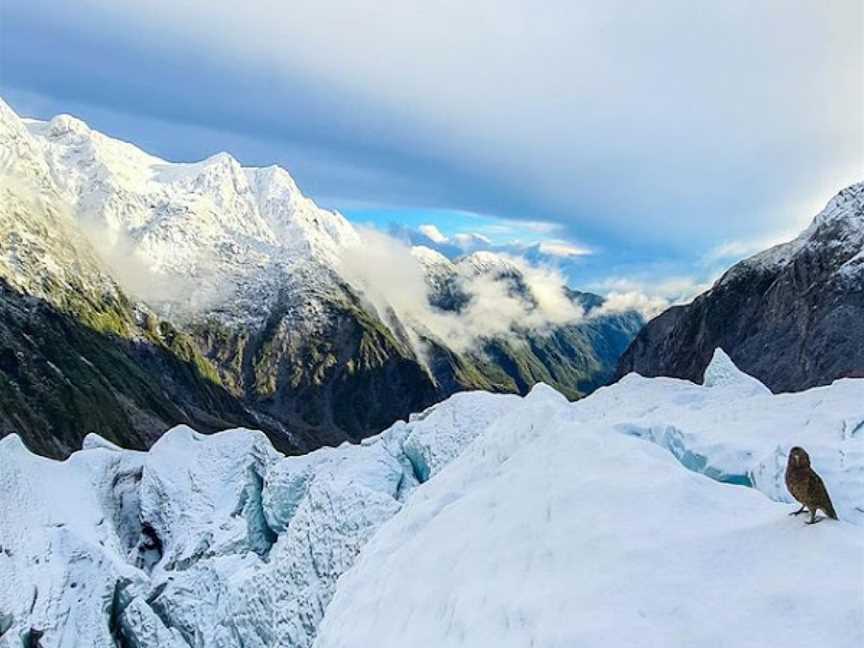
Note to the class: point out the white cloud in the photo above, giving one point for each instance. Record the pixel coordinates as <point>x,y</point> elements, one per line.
<point>390,277</point>
<point>562,249</point>
<point>511,227</point>
<point>647,306</point>
<point>648,297</point>
<point>735,250</point>
<point>471,240</point>
<point>433,233</point>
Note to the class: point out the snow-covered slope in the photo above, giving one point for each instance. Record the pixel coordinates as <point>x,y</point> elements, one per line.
<point>299,326</point>
<point>485,520</point>
<point>40,243</point>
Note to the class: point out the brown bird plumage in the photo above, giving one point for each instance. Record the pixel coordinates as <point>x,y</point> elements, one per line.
<point>806,486</point>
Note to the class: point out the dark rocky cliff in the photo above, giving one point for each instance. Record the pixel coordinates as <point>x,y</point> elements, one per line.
<point>792,316</point>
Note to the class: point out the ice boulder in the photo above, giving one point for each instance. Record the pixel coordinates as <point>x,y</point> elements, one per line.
<point>202,495</point>
<point>65,544</point>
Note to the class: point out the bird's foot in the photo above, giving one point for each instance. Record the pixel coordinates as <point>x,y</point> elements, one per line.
<point>815,520</point>
<point>803,509</point>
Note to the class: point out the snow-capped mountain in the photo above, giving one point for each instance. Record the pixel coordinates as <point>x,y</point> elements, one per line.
<point>76,355</point>
<point>230,235</point>
<point>652,512</point>
<point>793,316</point>
<point>250,282</point>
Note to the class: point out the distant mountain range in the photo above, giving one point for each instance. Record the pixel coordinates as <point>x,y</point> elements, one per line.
<point>792,316</point>
<point>137,293</point>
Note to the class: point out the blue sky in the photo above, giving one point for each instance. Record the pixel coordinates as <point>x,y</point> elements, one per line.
<point>667,139</point>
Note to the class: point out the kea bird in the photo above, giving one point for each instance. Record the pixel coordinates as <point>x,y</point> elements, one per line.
<point>807,487</point>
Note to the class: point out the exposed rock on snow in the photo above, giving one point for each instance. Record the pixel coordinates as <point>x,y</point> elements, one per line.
<point>485,520</point>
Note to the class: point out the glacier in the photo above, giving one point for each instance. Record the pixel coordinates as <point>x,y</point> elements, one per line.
<point>652,512</point>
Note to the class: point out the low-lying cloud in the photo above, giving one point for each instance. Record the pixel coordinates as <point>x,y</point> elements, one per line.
<point>648,298</point>
<point>391,277</point>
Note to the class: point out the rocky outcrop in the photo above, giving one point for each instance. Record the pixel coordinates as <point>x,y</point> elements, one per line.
<point>792,316</point>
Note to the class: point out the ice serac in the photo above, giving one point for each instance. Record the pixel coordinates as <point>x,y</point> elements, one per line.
<point>540,509</point>
<point>446,430</point>
<point>721,372</point>
<point>65,545</point>
<point>792,316</point>
<point>736,431</point>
